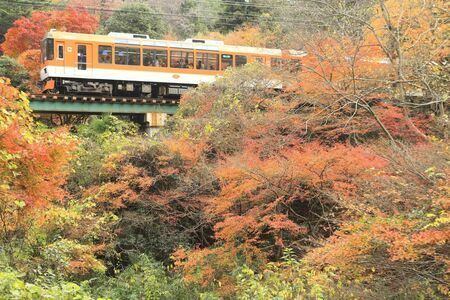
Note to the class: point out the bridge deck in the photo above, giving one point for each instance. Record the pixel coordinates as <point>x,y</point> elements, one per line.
<point>100,104</point>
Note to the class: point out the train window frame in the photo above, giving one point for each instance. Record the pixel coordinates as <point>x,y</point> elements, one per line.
<point>209,61</point>
<point>100,50</point>
<point>127,55</point>
<point>238,56</point>
<point>60,51</point>
<point>182,57</point>
<point>222,60</point>
<point>155,56</point>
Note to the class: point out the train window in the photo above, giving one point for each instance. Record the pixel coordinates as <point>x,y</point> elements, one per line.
<point>276,63</point>
<point>260,59</point>
<point>227,61</point>
<point>81,54</point>
<point>213,61</point>
<point>105,54</point>
<point>182,59</point>
<point>127,56</point>
<point>134,56</point>
<point>60,51</point>
<point>120,55</point>
<point>155,58</point>
<point>241,60</point>
<point>47,49</point>
<point>291,65</point>
<point>207,61</point>
<point>295,65</point>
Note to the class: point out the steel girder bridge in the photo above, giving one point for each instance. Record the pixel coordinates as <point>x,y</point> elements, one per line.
<point>153,110</point>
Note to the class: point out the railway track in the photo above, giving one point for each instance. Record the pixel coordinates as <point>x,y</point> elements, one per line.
<point>102,99</point>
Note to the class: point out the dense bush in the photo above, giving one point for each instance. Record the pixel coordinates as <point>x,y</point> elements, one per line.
<point>143,279</point>
<point>100,137</point>
<point>10,68</point>
<point>12,286</point>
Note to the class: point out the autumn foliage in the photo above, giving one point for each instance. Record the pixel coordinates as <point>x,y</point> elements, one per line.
<point>27,32</point>
<point>246,36</point>
<point>335,187</point>
<point>41,227</point>
<point>30,160</point>
<point>31,61</point>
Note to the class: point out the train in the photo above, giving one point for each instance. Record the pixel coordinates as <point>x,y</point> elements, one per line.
<point>126,64</point>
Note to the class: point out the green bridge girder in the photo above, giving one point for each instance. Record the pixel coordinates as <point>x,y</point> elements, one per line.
<point>100,107</point>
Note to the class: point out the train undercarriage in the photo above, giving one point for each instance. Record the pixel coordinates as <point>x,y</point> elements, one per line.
<point>69,86</point>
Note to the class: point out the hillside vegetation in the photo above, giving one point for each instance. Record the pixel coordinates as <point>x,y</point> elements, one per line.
<point>335,187</point>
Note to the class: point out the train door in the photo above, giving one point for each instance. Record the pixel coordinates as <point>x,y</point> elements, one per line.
<point>83,59</point>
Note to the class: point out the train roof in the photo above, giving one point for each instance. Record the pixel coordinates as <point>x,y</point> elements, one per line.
<point>144,40</point>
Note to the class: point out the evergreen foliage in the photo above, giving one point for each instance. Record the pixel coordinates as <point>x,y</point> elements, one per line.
<point>136,18</point>
<point>10,68</point>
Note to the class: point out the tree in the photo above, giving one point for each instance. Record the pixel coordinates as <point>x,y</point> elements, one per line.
<point>201,17</point>
<point>27,32</point>
<point>41,228</point>
<point>10,68</point>
<point>100,137</point>
<point>32,28</point>
<point>390,59</point>
<point>10,13</point>
<point>136,18</point>
<point>275,203</point>
<point>31,61</point>
<point>29,160</point>
<point>239,12</point>
<point>411,34</point>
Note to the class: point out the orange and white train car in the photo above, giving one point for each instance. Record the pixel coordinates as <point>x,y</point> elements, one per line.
<point>134,64</point>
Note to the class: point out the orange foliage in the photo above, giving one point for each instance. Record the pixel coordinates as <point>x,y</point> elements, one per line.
<point>421,25</point>
<point>248,36</point>
<point>263,203</point>
<point>189,152</point>
<point>27,33</point>
<point>74,20</point>
<point>334,69</point>
<point>399,125</point>
<point>31,60</point>
<point>403,241</point>
<point>38,163</point>
<point>245,36</point>
<point>405,230</point>
<point>213,267</point>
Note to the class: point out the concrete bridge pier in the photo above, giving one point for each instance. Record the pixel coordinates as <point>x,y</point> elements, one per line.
<point>153,121</point>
